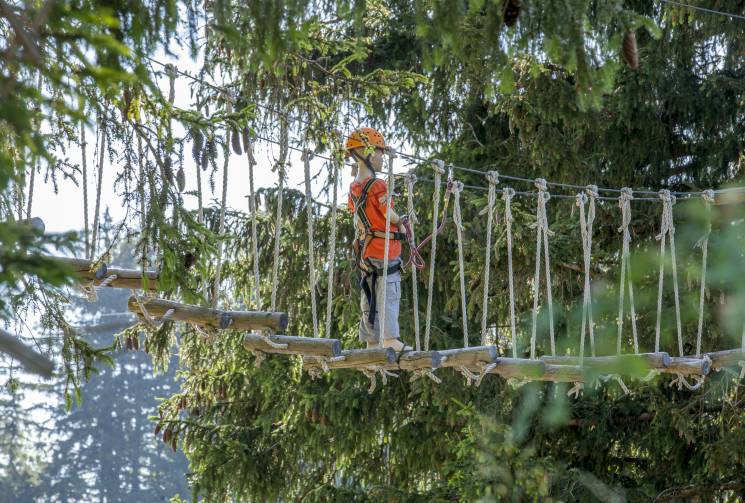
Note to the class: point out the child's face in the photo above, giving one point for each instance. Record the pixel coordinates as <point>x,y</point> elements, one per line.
<point>376,157</point>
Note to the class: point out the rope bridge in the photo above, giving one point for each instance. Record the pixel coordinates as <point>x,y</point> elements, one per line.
<point>323,354</point>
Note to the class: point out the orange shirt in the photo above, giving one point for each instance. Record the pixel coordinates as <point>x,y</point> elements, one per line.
<point>375,212</point>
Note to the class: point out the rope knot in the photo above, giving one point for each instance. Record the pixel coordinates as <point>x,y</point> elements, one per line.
<point>541,184</point>
<point>438,165</point>
<point>492,177</point>
<point>411,179</point>
<point>708,196</point>
<point>306,155</point>
<point>457,187</point>
<point>581,199</point>
<point>592,191</point>
<point>390,152</point>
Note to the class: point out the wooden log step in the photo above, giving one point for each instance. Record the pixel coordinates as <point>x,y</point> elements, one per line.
<point>469,357</point>
<point>110,276</point>
<point>306,346</point>
<point>627,364</point>
<point>417,360</point>
<point>688,366</point>
<point>358,358</point>
<point>212,318</point>
<point>726,358</point>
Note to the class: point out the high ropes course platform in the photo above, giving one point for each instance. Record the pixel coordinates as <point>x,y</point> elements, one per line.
<point>264,330</point>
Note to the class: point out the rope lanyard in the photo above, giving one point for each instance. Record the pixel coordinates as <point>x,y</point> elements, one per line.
<point>542,235</point>
<point>458,222</point>
<point>667,228</point>
<point>410,181</point>
<point>507,194</point>
<point>585,225</point>
<point>493,179</point>
<point>332,247</point>
<point>439,170</point>
<point>386,247</point>
<point>624,202</point>
<point>311,246</point>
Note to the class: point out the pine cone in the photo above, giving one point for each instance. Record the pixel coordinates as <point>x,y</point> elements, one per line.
<point>235,140</point>
<point>510,12</point>
<point>197,145</point>
<point>181,179</point>
<point>629,53</point>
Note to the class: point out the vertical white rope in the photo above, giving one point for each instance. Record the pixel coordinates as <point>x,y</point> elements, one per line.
<point>585,224</point>
<point>493,179</point>
<point>84,157</point>
<point>252,208</point>
<point>703,243</point>
<point>283,147</point>
<point>31,181</point>
<point>96,216</point>
<point>311,245</point>
<point>410,181</point>
<point>458,222</point>
<point>332,249</point>
<point>624,202</point>
<point>507,194</point>
<point>439,168</point>
<point>386,246</point>
<point>221,228</point>
<point>667,228</point>
<point>542,235</point>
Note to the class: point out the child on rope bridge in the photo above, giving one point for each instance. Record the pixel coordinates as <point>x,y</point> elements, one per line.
<point>368,201</point>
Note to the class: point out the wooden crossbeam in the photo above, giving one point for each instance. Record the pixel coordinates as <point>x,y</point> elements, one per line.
<point>417,360</point>
<point>307,346</point>
<point>124,278</point>
<point>211,318</point>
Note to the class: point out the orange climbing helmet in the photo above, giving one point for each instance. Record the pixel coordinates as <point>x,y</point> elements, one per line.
<point>364,137</point>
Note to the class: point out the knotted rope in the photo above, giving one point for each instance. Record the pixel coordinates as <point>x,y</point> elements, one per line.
<point>410,181</point>
<point>371,373</point>
<point>311,247</point>
<point>493,179</point>
<point>667,228</point>
<point>624,202</point>
<point>386,246</point>
<point>332,249</point>
<point>429,373</point>
<point>438,167</point>
<point>507,194</point>
<point>458,222</point>
<point>585,225</point>
<point>283,148</point>
<point>542,235</point>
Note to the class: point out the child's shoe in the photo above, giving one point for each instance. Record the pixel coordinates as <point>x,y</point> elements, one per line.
<point>396,344</point>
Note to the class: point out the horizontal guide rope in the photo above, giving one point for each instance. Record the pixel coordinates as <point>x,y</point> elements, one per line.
<point>413,157</point>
